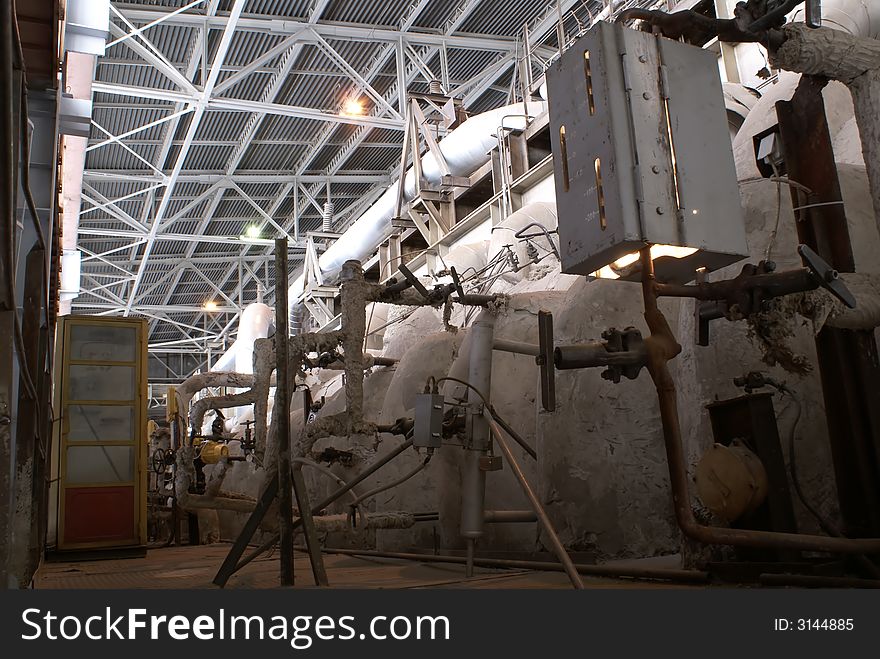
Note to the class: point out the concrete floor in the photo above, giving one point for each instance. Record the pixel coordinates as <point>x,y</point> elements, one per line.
<point>195,567</point>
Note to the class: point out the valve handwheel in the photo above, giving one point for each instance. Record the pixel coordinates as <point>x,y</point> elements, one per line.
<point>157,461</point>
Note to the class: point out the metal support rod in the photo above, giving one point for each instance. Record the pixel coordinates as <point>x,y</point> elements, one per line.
<point>513,434</point>
<point>318,507</point>
<point>543,518</point>
<point>662,347</point>
<point>517,347</point>
<point>281,412</point>
<point>308,523</point>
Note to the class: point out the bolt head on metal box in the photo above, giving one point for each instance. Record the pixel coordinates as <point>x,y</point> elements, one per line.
<point>428,426</point>
<point>491,463</point>
<point>642,155</point>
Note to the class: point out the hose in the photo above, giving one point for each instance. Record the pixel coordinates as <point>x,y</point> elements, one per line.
<point>391,485</point>
<point>826,525</point>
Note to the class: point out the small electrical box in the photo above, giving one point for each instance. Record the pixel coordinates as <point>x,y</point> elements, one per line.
<point>642,154</point>
<point>428,427</point>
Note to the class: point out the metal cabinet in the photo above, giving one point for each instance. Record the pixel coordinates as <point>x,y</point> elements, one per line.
<point>101,399</point>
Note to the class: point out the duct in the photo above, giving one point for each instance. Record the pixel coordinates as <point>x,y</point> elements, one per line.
<point>78,75</point>
<point>256,322</point>
<point>464,149</point>
<point>87,26</point>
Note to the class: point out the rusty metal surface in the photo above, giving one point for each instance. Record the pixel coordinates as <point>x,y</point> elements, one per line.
<point>663,347</point>
<point>848,361</point>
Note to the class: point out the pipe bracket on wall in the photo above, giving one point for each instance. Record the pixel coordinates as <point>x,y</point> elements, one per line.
<point>545,361</point>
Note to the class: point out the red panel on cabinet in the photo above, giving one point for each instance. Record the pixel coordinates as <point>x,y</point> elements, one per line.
<point>99,515</point>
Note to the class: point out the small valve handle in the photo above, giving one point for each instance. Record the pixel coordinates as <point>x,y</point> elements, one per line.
<point>457,283</point>
<point>826,276</point>
<point>412,279</point>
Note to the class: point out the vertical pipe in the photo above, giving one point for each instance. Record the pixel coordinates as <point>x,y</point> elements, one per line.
<point>473,486</point>
<point>354,325</point>
<point>281,412</point>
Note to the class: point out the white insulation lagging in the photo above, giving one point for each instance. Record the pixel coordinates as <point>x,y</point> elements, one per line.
<point>256,322</point>
<point>465,150</point>
<point>860,18</point>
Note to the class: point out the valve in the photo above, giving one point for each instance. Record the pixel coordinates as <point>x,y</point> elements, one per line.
<point>826,276</point>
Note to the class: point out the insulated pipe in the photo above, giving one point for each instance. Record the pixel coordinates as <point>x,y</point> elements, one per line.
<point>256,322</point>
<point>465,149</point>
<point>473,479</point>
<point>860,18</point>
<point>517,347</point>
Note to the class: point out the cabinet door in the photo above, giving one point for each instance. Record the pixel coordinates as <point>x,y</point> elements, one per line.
<point>102,433</point>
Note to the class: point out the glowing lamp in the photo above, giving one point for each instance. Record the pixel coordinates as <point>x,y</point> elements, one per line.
<point>353,107</point>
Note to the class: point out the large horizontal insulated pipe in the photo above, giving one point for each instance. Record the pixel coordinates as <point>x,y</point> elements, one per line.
<point>860,18</point>
<point>465,149</point>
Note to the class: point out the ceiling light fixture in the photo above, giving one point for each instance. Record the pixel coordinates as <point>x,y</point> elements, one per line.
<point>353,107</point>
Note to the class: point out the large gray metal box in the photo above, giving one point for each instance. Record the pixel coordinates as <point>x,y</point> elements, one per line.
<point>642,154</point>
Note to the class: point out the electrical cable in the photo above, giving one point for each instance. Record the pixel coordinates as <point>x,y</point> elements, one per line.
<point>775,231</point>
<point>826,525</point>
<point>400,481</point>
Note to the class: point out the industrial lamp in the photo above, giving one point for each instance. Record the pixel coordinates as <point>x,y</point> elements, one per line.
<point>353,107</point>
<point>642,156</point>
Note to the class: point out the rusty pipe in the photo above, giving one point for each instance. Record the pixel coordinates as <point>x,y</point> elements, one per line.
<point>611,571</point>
<point>543,518</point>
<point>663,347</point>
<point>509,516</point>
